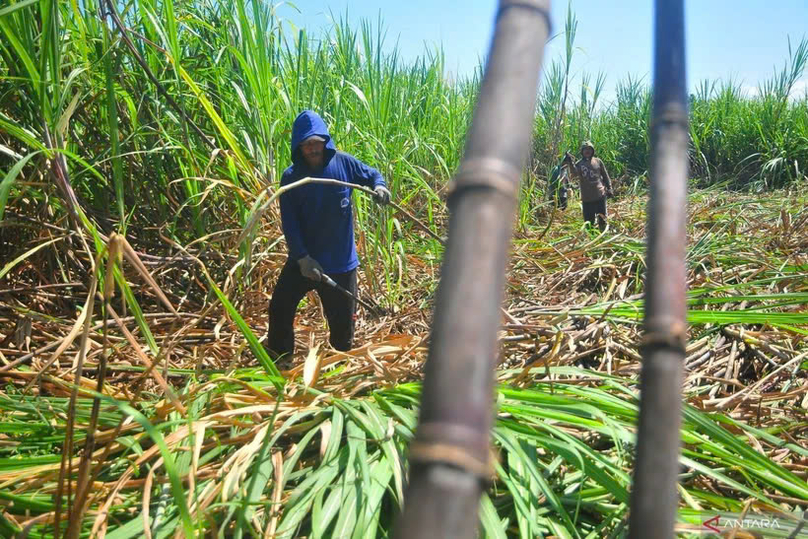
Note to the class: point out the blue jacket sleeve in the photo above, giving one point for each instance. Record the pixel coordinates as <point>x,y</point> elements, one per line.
<point>290,223</point>
<point>363,174</point>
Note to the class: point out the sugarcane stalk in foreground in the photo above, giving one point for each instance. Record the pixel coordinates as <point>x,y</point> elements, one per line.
<point>654,494</point>
<point>450,456</point>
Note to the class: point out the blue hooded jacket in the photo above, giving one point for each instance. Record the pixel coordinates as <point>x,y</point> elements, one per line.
<point>317,219</point>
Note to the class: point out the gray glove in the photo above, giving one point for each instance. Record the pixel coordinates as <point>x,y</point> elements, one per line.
<point>381,195</point>
<point>310,268</point>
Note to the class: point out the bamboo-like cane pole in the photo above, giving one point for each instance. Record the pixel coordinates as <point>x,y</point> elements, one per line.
<point>450,455</point>
<point>654,495</point>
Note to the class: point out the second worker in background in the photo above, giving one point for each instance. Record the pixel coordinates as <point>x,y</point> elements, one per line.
<point>595,184</point>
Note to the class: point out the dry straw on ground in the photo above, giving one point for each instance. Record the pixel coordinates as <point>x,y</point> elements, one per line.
<point>570,332</point>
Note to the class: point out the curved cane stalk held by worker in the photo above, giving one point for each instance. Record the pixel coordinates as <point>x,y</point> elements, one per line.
<point>251,225</point>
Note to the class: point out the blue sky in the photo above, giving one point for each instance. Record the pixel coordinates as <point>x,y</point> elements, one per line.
<point>742,39</point>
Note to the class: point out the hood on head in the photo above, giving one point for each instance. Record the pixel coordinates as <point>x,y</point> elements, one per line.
<point>307,124</point>
<point>587,144</point>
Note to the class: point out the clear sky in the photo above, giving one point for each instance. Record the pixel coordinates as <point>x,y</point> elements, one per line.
<point>742,39</point>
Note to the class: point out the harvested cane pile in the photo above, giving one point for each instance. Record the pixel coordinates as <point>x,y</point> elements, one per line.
<point>187,435</point>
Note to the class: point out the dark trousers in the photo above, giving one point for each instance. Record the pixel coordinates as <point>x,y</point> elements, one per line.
<point>596,208</point>
<point>290,289</point>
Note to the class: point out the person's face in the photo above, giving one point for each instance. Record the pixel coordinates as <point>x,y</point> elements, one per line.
<point>588,153</point>
<point>313,152</point>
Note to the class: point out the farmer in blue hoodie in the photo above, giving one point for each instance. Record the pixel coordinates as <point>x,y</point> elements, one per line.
<point>317,222</point>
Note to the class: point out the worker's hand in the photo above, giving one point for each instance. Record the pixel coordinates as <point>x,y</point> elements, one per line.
<point>609,193</point>
<point>569,157</point>
<point>310,268</point>
<point>381,195</point>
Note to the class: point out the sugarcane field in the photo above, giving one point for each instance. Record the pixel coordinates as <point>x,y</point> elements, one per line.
<point>515,268</point>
